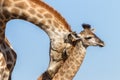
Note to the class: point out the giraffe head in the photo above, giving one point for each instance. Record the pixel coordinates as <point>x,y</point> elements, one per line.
<point>89,38</point>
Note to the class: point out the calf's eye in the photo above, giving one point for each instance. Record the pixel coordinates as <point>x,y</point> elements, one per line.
<point>88,38</point>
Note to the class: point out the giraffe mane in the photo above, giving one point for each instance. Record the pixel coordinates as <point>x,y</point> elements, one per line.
<point>53,11</point>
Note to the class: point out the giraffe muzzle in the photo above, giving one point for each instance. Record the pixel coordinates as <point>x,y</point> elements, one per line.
<point>101,44</point>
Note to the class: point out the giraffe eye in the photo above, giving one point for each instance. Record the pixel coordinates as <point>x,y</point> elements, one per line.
<point>88,38</point>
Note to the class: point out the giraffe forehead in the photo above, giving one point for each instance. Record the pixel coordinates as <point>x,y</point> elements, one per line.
<point>87,32</point>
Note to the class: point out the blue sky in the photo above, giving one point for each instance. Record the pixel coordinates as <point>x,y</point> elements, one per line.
<point>32,44</point>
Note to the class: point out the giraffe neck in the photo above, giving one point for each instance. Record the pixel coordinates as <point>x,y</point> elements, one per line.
<point>34,11</point>
<point>72,64</point>
<point>4,72</point>
<point>9,57</point>
<point>9,53</point>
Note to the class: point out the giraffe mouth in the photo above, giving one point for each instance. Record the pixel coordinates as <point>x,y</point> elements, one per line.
<point>101,44</point>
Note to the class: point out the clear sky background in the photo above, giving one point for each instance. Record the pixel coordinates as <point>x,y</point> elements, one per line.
<point>32,44</point>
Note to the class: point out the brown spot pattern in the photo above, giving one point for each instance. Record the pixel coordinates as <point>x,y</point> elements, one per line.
<point>40,11</point>
<point>21,5</point>
<point>24,16</point>
<point>7,3</point>
<point>49,21</point>
<point>9,66</point>
<point>32,11</point>
<point>39,15</point>
<point>6,14</point>
<point>43,22</point>
<point>47,15</point>
<point>3,46</point>
<point>9,58</point>
<point>33,20</point>
<point>55,24</point>
<point>15,10</point>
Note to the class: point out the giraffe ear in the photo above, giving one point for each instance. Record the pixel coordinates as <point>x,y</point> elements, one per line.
<point>86,26</point>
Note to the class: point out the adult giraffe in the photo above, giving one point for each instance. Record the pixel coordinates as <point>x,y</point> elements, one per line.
<point>42,15</point>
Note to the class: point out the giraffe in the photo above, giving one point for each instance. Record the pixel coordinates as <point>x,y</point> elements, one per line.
<point>46,18</point>
<point>6,54</point>
<point>76,52</point>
